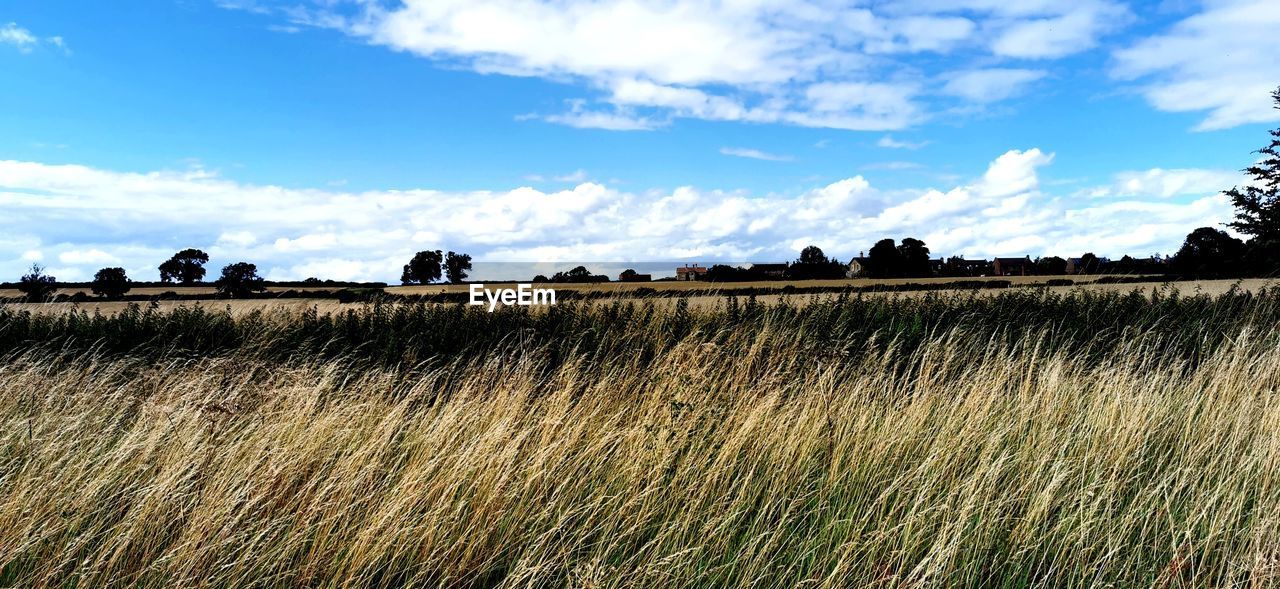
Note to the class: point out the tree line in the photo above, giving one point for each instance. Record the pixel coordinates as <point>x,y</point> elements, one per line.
<point>1206,251</point>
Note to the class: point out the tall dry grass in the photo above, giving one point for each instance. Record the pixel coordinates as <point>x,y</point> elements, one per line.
<point>743,458</point>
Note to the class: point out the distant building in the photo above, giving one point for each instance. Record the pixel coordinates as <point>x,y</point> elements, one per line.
<point>958,266</point>
<point>857,267</point>
<point>694,272</point>
<point>1011,266</point>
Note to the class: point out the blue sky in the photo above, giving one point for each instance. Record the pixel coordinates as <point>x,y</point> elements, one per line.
<point>334,138</point>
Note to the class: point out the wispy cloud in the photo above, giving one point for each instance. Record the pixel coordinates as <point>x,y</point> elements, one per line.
<point>805,63</point>
<point>889,142</point>
<point>754,154</point>
<point>1221,61</point>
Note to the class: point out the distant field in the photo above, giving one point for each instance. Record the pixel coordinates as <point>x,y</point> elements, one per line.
<point>238,307</point>
<point>672,285</point>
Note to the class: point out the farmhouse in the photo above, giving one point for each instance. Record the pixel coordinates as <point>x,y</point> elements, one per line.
<point>1010,266</point>
<point>857,267</point>
<point>694,272</point>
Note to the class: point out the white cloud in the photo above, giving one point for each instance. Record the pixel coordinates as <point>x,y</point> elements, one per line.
<point>754,154</point>
<point>1166,183</point>
<point>812,63</point>
<point>1221,60</point>
<point>990,85</point>
<point>26,41</point>
<point>12,34</point>
<point>88,217</point>
<point>889,142</point>
<point>89,256</point>
<point>1072,31</point>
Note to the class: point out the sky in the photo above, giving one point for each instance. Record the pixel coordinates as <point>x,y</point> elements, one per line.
<point>334,138</point>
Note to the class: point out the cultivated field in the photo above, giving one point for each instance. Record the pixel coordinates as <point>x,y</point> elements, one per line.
<point>1022,438</point>
<point>616,291</point>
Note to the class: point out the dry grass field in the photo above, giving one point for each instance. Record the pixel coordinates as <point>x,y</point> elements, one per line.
<point>1021,439</point>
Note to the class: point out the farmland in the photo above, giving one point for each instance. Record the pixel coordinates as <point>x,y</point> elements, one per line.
<point>1021,437</point>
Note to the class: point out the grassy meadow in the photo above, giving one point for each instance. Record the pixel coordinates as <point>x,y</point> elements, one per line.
<point>1023,438</point>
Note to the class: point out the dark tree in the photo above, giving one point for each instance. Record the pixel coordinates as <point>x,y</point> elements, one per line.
<point>456,267</point>
<point>239,280</point>
<point>1209,252</point>
<point>884,259</point>
<point>110,282</point>
<point>1258,205</point>
<point>812,255</point>
<point>578,274</point>
<point>37,285</point>
<point>540,278</point>
<point>1088,264</point>
<point>813,264</point>
<point>424,268</point>
<point>913,257</point>
<point>628,273</point>
<point>1050,265</point>
<point>186,267</point>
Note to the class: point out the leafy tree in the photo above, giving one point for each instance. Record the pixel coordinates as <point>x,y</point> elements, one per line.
<point>913,257</point>
<point>240,279</point>
<point>186,267</point>
<point>456,267</point>
<point>1050,265</point>
<point>812,255</point>
<point>37,285</point>
<point>110,282</point>
<point>884,259</point>
<point>540,278</point>
<point>814,264</point>
<point>1209,252</point>
<point>424,268</point>
<point>1088,264</point>
<point>628,273</point>
<point>578,274</point>
<point>1258,205</point>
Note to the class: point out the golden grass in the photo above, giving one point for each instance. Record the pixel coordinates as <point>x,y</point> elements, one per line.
<point>755,462</point>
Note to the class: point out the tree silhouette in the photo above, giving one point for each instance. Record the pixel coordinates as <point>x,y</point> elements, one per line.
<point>1258,206</point>
<point>814,264</point>
<point>239,280</point>
<point>1051,265</point>
<point>884,259</point>
<point>424,268</point>
<point>913,257</point>
<point>186,267</point>
<point>110,282</point>
<point>1088,264</point>
<point>456,267</point>
<point>1209,252</point>
<point>37,285</point>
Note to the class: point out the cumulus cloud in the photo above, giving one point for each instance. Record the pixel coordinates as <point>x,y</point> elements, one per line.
<point>89,217</point>
<point>813,63</point>
<point>1221,60</point>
